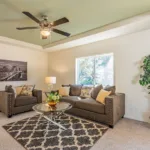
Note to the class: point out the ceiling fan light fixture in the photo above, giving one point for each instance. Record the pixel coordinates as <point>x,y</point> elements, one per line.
<point>45,31</point>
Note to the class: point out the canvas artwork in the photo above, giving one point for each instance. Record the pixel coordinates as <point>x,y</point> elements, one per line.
<point>13,70</point>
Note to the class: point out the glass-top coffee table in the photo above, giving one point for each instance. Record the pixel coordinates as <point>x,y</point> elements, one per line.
<point>52,113</point>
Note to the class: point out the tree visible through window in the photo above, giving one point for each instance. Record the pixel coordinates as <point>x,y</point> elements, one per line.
<point>94,70</point>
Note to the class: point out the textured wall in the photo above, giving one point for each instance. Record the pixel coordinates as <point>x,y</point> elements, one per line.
<point>128,52</point>
<point>37,64</point>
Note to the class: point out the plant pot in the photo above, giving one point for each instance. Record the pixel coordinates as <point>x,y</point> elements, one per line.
<point>52,104</point>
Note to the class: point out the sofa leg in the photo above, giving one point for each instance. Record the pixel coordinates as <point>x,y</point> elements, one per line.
<point>111,126</point>
<point>9,116</point>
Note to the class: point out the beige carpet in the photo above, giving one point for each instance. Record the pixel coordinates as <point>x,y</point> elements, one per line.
<point>127,135</point>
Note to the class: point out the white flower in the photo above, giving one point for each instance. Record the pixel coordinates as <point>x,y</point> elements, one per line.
<point>57,97</point>
<point>54,97</point>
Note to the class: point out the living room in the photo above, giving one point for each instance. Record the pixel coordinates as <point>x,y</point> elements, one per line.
<point>94,67</point>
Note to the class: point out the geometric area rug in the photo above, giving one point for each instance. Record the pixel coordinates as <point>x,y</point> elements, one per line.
<point>36,133</point>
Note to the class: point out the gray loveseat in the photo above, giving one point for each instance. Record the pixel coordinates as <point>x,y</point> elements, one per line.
<point>89,108</point>
<point>11,105</point>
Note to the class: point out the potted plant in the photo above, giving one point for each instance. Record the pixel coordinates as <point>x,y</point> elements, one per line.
<point>145,75</point>
<point>53,99</point>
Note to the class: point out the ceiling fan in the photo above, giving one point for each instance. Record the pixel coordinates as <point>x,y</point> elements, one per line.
<point>45,26</point>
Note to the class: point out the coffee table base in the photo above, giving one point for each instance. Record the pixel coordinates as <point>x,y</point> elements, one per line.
<point>59,125</point>
<point>52,113</point>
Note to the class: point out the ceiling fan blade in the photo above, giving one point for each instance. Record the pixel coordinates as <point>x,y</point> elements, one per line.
<point>26,28</point>
<point>61,32</point>
<point>31,17</point>
<point>60,21</point>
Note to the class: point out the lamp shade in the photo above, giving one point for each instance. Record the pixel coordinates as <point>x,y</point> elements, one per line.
<point>50,80</point>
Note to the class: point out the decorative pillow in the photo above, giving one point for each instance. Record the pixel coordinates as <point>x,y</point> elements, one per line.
<point>9,89</point>
<point>95,91</point>
<point>111,88</point>
<point>64,91</point>
<point>86,91</point>
<point>15,90</point>
<point>18,89</point>
<point>102,95</point>
<point>75,90</point>
<point>27,90</point>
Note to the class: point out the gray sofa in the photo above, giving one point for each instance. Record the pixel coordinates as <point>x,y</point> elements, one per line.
<point>11,105</point>
<point>89,108</point>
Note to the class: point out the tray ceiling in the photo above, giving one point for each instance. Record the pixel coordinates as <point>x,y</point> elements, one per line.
<point>84,15</point>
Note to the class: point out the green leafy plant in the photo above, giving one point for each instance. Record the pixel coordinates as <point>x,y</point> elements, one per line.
<point>145,76</point>
<point>53,97</point>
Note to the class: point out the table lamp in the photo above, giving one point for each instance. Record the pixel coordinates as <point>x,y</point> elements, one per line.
<point>50,81</point>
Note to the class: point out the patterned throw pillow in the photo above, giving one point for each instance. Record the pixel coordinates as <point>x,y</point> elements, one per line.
<point>86,91</point>
<point>27,90</point>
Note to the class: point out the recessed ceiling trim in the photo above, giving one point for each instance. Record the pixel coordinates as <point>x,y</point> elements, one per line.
<point>128,26</point>
<point>124,27</point>
<point>9,41</point>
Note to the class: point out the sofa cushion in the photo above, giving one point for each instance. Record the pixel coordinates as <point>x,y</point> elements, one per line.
<point>110,88</point>
<point>95,91</point>
<point>75,90</point>
<point>86,91</point>
<point>18,89</point>
<point>25,100</point>
<point>102,95</point>
<point>64,91</point>
<point>70,99</point>
<point>27,90</point>
<point>9,89</point>
<point>90,104</point>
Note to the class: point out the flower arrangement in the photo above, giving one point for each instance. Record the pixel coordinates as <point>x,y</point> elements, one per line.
<point>53,98</point>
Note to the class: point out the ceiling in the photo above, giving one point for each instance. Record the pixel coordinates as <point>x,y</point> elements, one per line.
<point>84,16</point>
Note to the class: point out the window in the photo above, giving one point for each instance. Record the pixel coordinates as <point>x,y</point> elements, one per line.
<point>94,70</point>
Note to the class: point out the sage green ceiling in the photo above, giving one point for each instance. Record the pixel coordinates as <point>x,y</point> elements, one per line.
<point>84,15</point>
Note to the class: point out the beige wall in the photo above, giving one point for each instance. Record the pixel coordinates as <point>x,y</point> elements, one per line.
<point>37,64</point>
<point>128,52</point>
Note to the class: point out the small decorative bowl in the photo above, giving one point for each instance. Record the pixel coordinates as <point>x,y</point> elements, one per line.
<point>52,104</point>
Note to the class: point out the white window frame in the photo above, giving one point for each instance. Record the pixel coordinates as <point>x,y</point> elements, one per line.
<point>76,69</point>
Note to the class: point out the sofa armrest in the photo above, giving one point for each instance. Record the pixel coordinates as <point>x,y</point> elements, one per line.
<point>7,101</point>
<point>38,95</point>
<point>115,107</point>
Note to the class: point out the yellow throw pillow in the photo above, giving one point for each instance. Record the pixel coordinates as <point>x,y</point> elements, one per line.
<point>102,95</point>
<point>64,91</point>
<point>18,90</point>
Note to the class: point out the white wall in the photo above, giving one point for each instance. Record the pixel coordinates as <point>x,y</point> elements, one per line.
<point>128,53</point>
<point>37,64</point>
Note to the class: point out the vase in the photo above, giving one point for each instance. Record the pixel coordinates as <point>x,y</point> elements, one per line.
<point>52,103</point>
